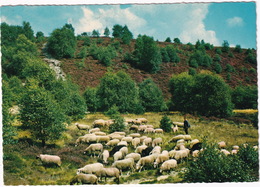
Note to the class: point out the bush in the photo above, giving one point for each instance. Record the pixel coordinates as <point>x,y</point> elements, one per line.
<point>217,58</point>
<point>171,51</point>
<point>92,101</point>
<point>218,51</point>
<point>213,166</point>
<point>192,71</point>
<point>200,58</point>
<point>166,124</point>
<point>238,49</point>
<point>251,58</point>
<point>230,68</point>
<point>118,125</point>
<point>217,67</point>
<point>225,46</point>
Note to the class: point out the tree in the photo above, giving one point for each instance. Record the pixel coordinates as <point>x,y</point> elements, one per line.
<point>92,101</point>
<point>120,90</point>
<point>171,51</point>
<point>238,49</point>
<point>166,124</point>
<point>177,40</point>
<point>106,32</point>
<point>126,35</point>
<point>39,36</point>
<point>41,114</point>
<point>117,31</point>
<point>147,54</point>
<point>168,39</point>
<point>204,94</point>
<point>27,31</point>
<point>151,96</point>
<point>225,46</point>
<point>95,33</point>
<point>62,42</point>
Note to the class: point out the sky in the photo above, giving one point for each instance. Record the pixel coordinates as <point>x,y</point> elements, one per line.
<point>234,22</point>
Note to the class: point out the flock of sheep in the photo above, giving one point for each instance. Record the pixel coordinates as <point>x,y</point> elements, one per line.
<point>148,151</point>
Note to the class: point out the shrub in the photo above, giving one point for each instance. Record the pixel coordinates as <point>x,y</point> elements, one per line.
<point>250,58</point>
<point>231,55</point>
<point>87,41</point>
<point>213,166</point>
<point>166,124</point>
<point>118,124</point>
<point>225,46</point>
<point>238,49</point>
<point>230,68</point>
<point>177,40</point>
<point>192,71</point>
<point>171,51</point>
<point>217,58</point>
<point>217,67</point>
<point>168,39</point>
<point>165,56</point>
<point>92,101</point>
<point>218,51</point>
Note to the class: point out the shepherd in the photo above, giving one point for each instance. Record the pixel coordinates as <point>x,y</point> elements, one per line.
<point>186,125</point>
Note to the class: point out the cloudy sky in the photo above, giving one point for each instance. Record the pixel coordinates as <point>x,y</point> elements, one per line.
<point>213,22</point>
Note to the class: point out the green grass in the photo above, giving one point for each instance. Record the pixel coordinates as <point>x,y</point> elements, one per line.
<point>21,167</point>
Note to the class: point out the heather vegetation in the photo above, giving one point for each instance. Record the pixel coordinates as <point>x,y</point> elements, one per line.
<point>118,77</point>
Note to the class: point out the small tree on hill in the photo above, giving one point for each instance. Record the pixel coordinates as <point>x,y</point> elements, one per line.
<point>168,39</point>
<point>177,40</point>
<point>166,124</point>
<point>106,32</point>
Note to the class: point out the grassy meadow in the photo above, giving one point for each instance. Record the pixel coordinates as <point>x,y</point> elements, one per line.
<point>22,168</point>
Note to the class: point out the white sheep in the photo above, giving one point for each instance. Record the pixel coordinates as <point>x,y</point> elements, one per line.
<point>116,136</point>
<point>50,159</point>
<point>82,126</point>
<point>93,148</point>
<point>158,130</point>
<point>84,179</point>
<point>177,137</point>
<point>161,158</point>
<point>142,138</point>
<point>168,165</point>
<point>175,128</point>
<point>108,172</point>
<point>140,148</point>
<point>103,139</point>
<point>134,127</point>
<point>149,130</point>
<point>135,156</point>
<point>118,156</point>
<point>193,142</point>
<point>124,150</point>
<point>136,142</point>
<point>179,154</point>
<point>83,139</point>
<point>94,130</point>
<point>99,133</point>
<point>143,120</point>
<point>141,128</point>
<point>222,144</point>
<point>105,156</point>
<point>120,133</point>
<point>145,161</point>
<point>255,147</point>
<point>195,153</point>
<point>156,150</point>
<point>187,137</point>
<point>226,152</point>
<point>147,141</point>
<point>157,141</point>
<point>99,123</point>
<point>90,168</point>
<point>128,139</point>
<point>123,143</point>
<point>113,142</point>
<point>135,135</point>
<point>124,164</point>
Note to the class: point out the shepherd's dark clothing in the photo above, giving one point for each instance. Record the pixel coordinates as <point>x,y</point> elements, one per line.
<point>186,126</point>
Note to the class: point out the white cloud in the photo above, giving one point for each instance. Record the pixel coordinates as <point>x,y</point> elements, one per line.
<point>17,20</point>
<point>108,18</point>
<point>235,21</point>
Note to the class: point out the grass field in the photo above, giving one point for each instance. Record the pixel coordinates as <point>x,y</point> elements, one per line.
<point>21,167</point>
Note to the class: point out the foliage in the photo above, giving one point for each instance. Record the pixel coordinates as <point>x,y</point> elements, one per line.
<point>118,125</point>
<point>192,71</point>
<point>177,40</point>
<point>40,36</point>
<point>41,114</point>
<point>214,166</point>
<point>62,42</point>
<point>217,58</point>
<point>225,46</point>
<point>166,124</point>
<point>230,68</point>
<point>251,58</point>
<point>106,32</point>
<point>171,51</point>
<point>122,32</point>
<point>95,33</point>
<point>120,90</point>
<point>218,51</point>
<point>245,97</point>
<point>151,96</point>
<point>238,49</point>
<point>204,94</point>
<point>117,31</point>
<point>147,54</point>
<point>168,39</point>
<point>217,67</point>
<point>87,41</point>
<point>200,58</point>
<point>92,101</point>
<point>164,54</point>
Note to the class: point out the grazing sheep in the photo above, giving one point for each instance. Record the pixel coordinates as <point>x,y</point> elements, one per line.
<point>99,123</point>
<point>120,133</point>
<point>100,133</point>
<point>147,141</point>
<point>143,120</point>
<point>83,139</point>
<point>124,164</point>
<point>90,168</point>
<point>135,135</point>
<point>145,161</point>
<point>255,147</point>
<point>123,143</point>
<point>142,128</point>
<point>161,158</point>
<point>149,126</point>
<point>149,130</point>
<point>187,137</point>
<point>175,128</point>
<point>118,156</point>
<point>109,122</point>
<point>156,150</point>
<point>103,139</point>
<point>134,128</point>
<point>142,138</point>
<point>105,156</point>
<point>128,139</point>
<point>157,141</point>
<point>112,142</point>
<point>109,172</point>
<point>168,165</point>
<point>195,153</point>
<point>178,137</point>
<point>146,151</point>
<point>124,150</point>
<point>135,156</point>
<point>197,146</point>
<point>234,151</point>
<point>158,130</point>
<point>226,152</point>
<point>116,136</point>
<point>222,144</point>
<point>193,142</point>
<point>49,159</point>
<point>140,148</point>
<point>179,124</point>
<point>137,122</point>
<point>236,147</point>
<point>180,154</point>
<point>82,127</point>
<point>115,149</point>
<point>93,148</point>
<point>136,142</point>
<point>129,121</point>
<point>84,179</point>
<point>94,130</point>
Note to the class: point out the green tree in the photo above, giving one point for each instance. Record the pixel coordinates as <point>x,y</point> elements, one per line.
<point>225,46</point>
<point>95,33</point>
<point>120,90</point>
<point>147,54</point>
<point>177,40</point>
<point>62,43</point>
<point>41,114</point>
<point>117,31</point>
<point>217,67</point>
<point>238,49</point>
<point>168,39</point>
<point>164,54</point>
<point>39,36</point>
<point>166,124</point>
<point>106,32</point>
<point>92,101</point>
<point>27,31</point>
<point>118,125</point>
<point>151,96</point>
<point>126,35</point>
<point>171,51</point>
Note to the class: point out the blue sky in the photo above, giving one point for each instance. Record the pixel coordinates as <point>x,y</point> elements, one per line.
<point>213,22</point>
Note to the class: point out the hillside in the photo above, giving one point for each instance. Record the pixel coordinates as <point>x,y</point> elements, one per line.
<point>90,73</point>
